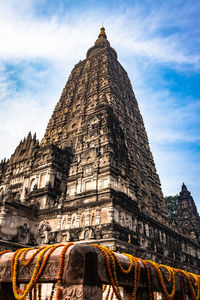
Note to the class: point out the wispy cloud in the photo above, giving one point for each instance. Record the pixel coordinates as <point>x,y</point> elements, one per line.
<point>136,31</point>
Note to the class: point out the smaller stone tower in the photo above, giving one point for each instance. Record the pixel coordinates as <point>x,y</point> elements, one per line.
<point>188,217</point>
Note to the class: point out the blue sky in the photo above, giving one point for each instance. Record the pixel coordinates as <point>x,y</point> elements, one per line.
<point>158,44</point>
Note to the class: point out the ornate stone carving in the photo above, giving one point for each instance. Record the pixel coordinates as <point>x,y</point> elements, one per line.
<point>80,292</point>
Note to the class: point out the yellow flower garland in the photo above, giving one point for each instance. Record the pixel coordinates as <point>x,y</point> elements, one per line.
<point>169,296</point>
<point>189,277</point>
<point>112,262</point>
<point>31,283</point>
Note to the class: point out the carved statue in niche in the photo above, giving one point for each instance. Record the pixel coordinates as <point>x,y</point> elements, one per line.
<point>83,221</point>
<point>65,237</point>
<point>60,200</point>
<point>73,221</point>
<point>93,219</point>
<point>59,218</point>
<point>23,235</point>
<point>43,233</point>
<point>146,228</point>
<point>63,223</point>
<point>17,198</point>
<point>1,194</point>
<point>13,222</point>
<point>9,196</point>
<point>49,203</point>
<point>52,237</point>
<point>86,235</point>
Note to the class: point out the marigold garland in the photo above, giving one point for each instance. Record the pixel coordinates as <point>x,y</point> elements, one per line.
<point>4,251</point>
<point>104,288</point>
<point>137,270</point>
<point>169,296</point>
<point>148,278</point>
<point>26,263</point>
<point>112,258</point>
<point>169,270</point>
<point>112,281</point>
<point>189,277</point>
<point>60,270</point>
<point>181,283</point>
<point>164,274</point>
<point>30,285</point>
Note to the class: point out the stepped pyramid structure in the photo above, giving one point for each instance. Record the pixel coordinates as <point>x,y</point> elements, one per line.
<point>92,178</point>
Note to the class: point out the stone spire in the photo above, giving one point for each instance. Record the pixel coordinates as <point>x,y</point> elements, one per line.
<point>188,217</point>
<point>101,43</point>
<point>98,115</point>
<point>184,188</point>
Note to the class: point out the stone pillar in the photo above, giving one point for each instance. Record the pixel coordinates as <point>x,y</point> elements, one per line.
<point>3,217</point>
<point>69,217</point>
<point>80,277</point>
<point>87,218</point>
<point>110,214</point>
<point>98,217</point>
<point>78,219</point>
<point>59,218</point>
<point>6,292</point>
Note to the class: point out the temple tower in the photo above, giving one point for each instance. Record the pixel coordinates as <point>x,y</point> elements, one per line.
<point>188,217</point>
<point>98,116</point>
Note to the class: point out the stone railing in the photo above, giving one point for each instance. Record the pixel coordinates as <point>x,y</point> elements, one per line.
<point>85,272</point>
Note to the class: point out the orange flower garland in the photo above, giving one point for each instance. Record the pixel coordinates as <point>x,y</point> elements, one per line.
<point>189,277</point>
<point>148,278</point>
<point>162,267</point>
<point>4,251</point>
<point>137,270</point>
<point>112,281</point>
<point>169,296</point>
<point>60,271</point>
<point>110,253</point>
<point>14,265</point>
<point>181,283</point>
<point>104,288</point>
<point>26,263</point>
<point>120,266</point>
<point>164,274</point>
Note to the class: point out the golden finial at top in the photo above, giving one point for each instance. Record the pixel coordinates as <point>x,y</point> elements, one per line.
<point>102,32</point>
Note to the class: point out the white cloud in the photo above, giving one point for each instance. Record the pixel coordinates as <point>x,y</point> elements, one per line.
<point>31,37</point>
